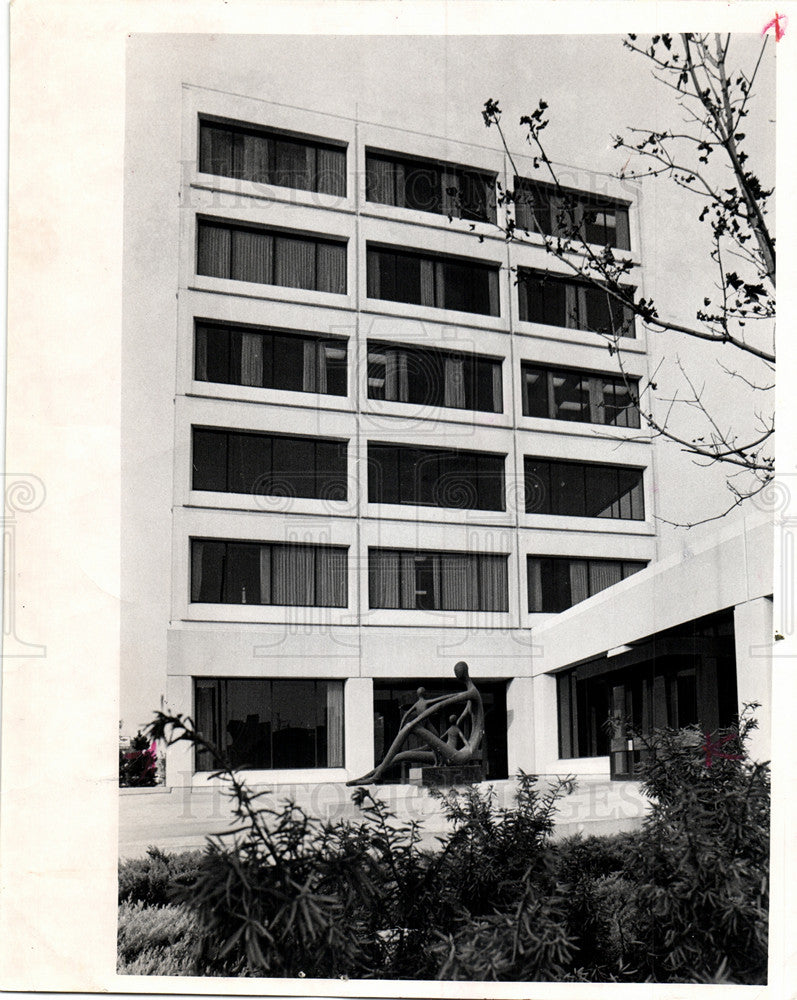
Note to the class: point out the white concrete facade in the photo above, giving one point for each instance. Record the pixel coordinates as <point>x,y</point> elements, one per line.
<point>356,644</point>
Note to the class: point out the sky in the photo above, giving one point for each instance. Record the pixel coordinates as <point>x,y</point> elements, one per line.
<point>595,89</point>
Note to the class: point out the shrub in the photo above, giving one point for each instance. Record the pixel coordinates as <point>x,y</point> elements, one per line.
<point>155,940</point>
<point>698,911</point>
<point>154,878</point>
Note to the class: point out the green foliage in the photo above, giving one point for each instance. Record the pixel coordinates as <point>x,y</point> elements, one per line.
<point>153,879</point>
<point>681,900</point>
<point>700,867</point>
<point>155,940</point>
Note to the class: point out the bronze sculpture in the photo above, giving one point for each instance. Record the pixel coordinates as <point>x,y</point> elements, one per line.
<point>417,720</point>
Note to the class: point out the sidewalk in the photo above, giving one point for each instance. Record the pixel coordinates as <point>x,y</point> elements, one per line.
<point>180,819</point>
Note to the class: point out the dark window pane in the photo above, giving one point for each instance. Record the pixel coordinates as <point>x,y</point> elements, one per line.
<point>207,571</point>
<point>538,487</point>
<point>249,463</point>
<point>293,467</point>
<point>422,188</point>
<point>535,392</point>
<point>567,489</point>
<point>571,395</point>
<point>541,299</point>
<point>602,491</point>
<point>407,287</point>
<point>491,482</point>
<point>383,474</point>
<point>631,495</point>
<point>242,579</point>
<point>213,250</point>
<point>294,725</point>
<point>209,460</point>
<point>211,354</point>
<point>288,370</point>
<point>330,463</point>
<point>335,357</point>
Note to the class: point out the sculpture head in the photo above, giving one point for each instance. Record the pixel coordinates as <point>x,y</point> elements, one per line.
<point>452,719</point>
<point>461,671</point>
<point>421,692</point>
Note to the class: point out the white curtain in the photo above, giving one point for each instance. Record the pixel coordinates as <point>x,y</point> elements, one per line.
<point>251,359</point>
<point>579,583</point>
<point>381,181</point>
<point>409,583</point>
<point>498,390</point>
<point>251,257</point>
<point>213,251</point>
<point>331,176</point>
<point>454,383</point>
<point>451,202</point>
<point>396,375</point>
<point>334,723</point>
<point>383,572</point>
<point>572,307</point>
<point>427,282</point>
<point>294,265</point>
<point>331,569</point>
<point>196,570</point>
<point>256,158</point>
<point>493,583</point>
<point>332,268</point>
<point>293,576</point>
<point>535,584</point>
<point>310,366</point>
<point>460,582</point>
<point>604,573</point>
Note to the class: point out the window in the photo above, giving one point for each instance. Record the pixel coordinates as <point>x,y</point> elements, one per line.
<point>277,573</point>
<point>557,583</point>
<point>270,257</point>
<point>580,489</point>
<point>555,301</point>
<point>439,581</point>
<point>431,377</point>
<point>539,208</point>
<point>265,724</point>
<point>572,394</point>
<point>254,154</point>
<point>442,188</point>
<point>268,465</point>
<point>426,280</point>
<point>269,359</point>
<point>435,477</point>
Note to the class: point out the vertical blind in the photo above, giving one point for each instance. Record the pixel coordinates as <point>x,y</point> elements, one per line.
<point>277,573</point>
<point>270,257</point>
<point>269,359</point>
<point>250,154</point>
<point>555,301</point>
<point>582,489</point>
<point>570,394</point>
<point>441,282</point>
<point>433,377</point>
<point>541,209</point>
<point>459,581</point>
<point>445,189</point>
<point>556,583</point>
<point>268,465</point>
<point>264,723</point>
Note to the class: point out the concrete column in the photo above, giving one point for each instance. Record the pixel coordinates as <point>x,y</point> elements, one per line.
<point>752,625</point>
<point>520,726</point>
<point>359,722</point>
<point>180,757</point>
<point>545,732</point>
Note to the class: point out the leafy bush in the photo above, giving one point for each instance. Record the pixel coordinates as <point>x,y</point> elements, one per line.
<point>138,766</point>
<point>155,940</point>
<point>682,900</point>
<point>700,866</point>
<point>154,878</point>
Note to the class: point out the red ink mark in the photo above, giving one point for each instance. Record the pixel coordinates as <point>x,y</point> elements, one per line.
<point>777,21</point>
<point>712,749</point>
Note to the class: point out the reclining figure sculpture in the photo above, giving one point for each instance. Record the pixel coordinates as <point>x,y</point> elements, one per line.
<point>417,721</point>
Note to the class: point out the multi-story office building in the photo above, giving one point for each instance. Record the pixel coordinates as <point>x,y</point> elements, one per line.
<point>395,436</point>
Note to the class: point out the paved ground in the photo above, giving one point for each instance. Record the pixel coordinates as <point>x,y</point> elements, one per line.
<point>181,818</point>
